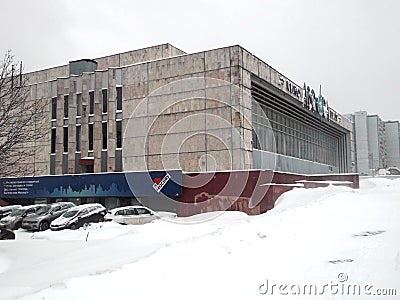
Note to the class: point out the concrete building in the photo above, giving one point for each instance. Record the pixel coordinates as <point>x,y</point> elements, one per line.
<point>392,140</point>
<point>363,162</point>
<point>376,143</point>
<point>118,113</point>
<point>350,118</point>
<point>156,123</point>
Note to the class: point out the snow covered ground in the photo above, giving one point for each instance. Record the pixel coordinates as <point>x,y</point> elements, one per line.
<point>332,242</point>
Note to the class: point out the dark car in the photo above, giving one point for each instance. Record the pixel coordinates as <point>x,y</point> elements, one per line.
<point>6,234</point>
<point>78,216</point>
<point>45,215</point>
<point>14,220</point>
<point>6,210</point>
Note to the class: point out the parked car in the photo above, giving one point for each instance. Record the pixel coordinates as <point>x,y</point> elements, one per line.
<point>6,234</point>
<point>6,210</point>
<point>135,215</point>
<point>45,215</point>
<point>78,216</point>
<point>14,220</point>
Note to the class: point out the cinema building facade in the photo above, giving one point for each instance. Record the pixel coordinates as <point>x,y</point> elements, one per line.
<point>157,109</point>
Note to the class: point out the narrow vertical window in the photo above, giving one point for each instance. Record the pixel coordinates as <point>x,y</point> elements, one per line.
<point>78,138</point>
<point>119,134</point>
<point>79,105</point>
<point>91,102</point>
<point>66,106</point>
<point>90,137</point>
<point>105,101</point>
<point>104,134</point>
<point>65,141</point>
<point>119,98</point>
<point>53,140</point>
<point>54,108</point>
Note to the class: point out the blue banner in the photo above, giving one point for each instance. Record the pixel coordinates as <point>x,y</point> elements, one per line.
<point>127,184</point>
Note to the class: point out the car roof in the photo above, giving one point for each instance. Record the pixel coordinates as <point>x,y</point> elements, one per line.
<point>30,206</point>
<point>130,206</point>
<point>10,207</point>
<point>59,203</point>
<point>83,206</point>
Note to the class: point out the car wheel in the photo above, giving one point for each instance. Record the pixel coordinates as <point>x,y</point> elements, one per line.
<point>72,226</point>
<point>101,219</point>
<point>7,235</point>
<point>44,226</point>
<point>17,225</point>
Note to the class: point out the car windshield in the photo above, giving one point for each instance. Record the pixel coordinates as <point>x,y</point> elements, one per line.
<point>70,213</point>
<point>17,212</point>
<point>43,210</point>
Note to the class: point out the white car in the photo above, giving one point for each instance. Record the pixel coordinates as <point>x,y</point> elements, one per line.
<point>135,215</point>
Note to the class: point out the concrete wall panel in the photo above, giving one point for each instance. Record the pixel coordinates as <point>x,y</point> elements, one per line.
<point>217,59</point>
<point>236,55</point>
<point>250,62</point>
<point>134,163</point>
<point>264,71</point>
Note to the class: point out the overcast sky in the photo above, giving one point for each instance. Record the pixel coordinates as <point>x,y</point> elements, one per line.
<point>350,47</point>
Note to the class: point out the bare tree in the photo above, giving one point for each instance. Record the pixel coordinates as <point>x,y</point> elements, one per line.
<point>21,120</point>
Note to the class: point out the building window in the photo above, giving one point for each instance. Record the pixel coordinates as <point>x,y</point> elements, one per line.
<point>119,134</point>
<point>53,108</point>
<point>79,105</point>
<point>65,141</point>
<point>105,101</point>
<point>66,106</point>
<point>104,135</point>
<point>53,140</point>
<point>52,164</point>
<point>90,137</point>
<point>78,138</point>
<point>91,103</point>
<point>119,98</point>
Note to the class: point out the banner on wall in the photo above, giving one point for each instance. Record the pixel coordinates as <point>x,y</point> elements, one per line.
<point>93,185</point>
